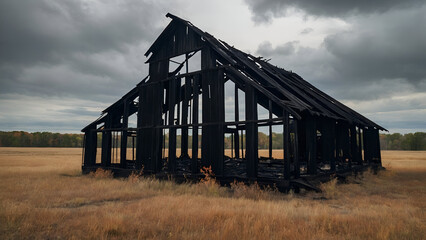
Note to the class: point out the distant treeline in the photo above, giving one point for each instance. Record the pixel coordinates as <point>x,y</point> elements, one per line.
<point>40,139</point>
<point>396,141</point>
<point>409,141</point>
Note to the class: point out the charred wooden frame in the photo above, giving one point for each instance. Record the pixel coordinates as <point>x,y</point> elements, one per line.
<point>321,136</point>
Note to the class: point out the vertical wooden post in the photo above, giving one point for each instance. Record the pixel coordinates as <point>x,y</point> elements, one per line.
<point>354,145</point>
<point>311,145</point>
<point>333,148</point>
<point>173,85</point>
<point>286,135</point>
<point>237,119</point>
<point>90,146</point>
<point>106,142</point>
<point>378,154</point>
<point>252,131</point>
<point>296,150</point>
<point>343,143</point>
<point>347,145</point>
<point>125,125</point>
<point>206,140</point>
<point>360,146</point>
<point>208,61</point>
<point>150,117</point>
<point>196,92</point>
<point>301,135</point>
<point>328,142</point>
<point>213,112</point>
<point>185,103</point>
<point>140,117</point>
<point>367,145</point>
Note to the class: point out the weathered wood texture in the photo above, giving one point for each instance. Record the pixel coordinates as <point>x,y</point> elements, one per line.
<point>320,134</point>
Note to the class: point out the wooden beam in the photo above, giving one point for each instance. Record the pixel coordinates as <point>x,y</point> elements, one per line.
<point>185,104</point>
<point>90,146</point>
<point>173,86</point>
<point>378,154</point>
<point>296,156</point>
<point>328,142</point>
<point>354,145</point>
<point>252,131</point>
<point>123,152</point>
<point>150,113</point>
<point>106,142</point>
<point>286,148</point>
<point>360,159</point>
<point>367,142</point>
<point>311,145</point>
<point>213,112</point>
<point>195,109</point>
<point>237,119</point>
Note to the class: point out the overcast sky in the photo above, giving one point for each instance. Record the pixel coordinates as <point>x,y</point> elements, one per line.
<point>63,62</point>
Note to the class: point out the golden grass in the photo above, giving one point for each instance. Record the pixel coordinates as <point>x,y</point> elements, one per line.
<point>44,196</point>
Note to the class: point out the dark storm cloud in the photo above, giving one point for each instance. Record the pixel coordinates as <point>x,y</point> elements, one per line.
<point>78,52</point>
<point>265,10</point>
<point>45,31</point>
<point>387,46</point>
<point>74,48</point>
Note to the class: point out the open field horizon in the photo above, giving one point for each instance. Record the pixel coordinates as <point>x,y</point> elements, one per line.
<point>44,196</point>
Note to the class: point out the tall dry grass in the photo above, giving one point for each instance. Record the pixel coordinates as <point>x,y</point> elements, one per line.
<point>44,196</point>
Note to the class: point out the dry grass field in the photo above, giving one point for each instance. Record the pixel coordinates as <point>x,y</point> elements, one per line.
<point>44,196</point>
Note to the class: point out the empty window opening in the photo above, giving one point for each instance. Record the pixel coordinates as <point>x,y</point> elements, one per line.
<point>230,110</point>
<point>99,148</point>
<point>263,142</point>
<point>242,105</point>
<point>115,147</point>
<point>132,121</point>
<point>262,113</point>
<point>229,145</point>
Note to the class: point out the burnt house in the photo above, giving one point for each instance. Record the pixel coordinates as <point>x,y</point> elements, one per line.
<point>175,121</point>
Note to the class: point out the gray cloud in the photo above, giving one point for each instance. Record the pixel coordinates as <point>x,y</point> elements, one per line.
<point>307,31</point>
<point>265,10</point>
<point>387,46</point>
<point>45,31</point>
<point>266,49</point>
